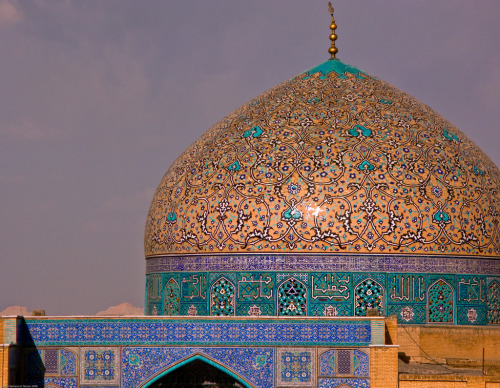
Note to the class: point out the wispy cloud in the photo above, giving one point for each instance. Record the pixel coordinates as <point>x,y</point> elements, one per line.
<point>9,14</point>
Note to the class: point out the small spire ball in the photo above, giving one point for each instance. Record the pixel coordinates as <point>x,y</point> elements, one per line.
<point>333,36</point>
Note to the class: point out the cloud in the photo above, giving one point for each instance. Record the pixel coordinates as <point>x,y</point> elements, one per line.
<point>9,14</point>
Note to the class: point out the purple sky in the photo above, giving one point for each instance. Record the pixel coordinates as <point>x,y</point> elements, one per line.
<point>98,98</point>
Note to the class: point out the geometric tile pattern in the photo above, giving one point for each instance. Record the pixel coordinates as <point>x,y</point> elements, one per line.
<point>51,361</point>
<point>343,383</point>
<point>99,365</point>
<point>296,367</point>
<point>254,364</point>
<point>344,362</point>
<point>144,331</point>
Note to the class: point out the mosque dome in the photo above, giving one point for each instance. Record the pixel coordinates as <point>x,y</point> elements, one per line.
<point>332,194</point>
<point>332,161</point>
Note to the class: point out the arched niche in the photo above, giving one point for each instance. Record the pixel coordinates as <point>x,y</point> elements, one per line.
<point>194,371</point>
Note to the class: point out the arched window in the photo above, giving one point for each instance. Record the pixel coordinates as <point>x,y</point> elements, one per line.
<point>292,298</point>
<point>197,373</point>
<point>493,299</point>
<point>440,302</point>
<point>222,298</point>
<point>368,294</point>
<point>171,298</point>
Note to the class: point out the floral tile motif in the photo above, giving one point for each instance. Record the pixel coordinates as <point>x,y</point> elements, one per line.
<point>60,382</point>
<point>316,164</point>
<point>68,363</point>
<point>343,383</point>
<point>296,367</point>
<point>99,365</point>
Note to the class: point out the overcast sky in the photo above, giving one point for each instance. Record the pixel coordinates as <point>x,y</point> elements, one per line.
<point>98,98</point>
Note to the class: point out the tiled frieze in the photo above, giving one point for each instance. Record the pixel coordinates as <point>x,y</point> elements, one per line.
<point>415,298</point>
<point>67,332</point>
<point>325,263</point>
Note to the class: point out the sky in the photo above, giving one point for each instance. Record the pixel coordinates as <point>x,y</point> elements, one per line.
<point>98,98</point>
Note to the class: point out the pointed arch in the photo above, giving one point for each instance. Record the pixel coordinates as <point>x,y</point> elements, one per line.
<point>369,293</point>
<point>440,302</point>
<point>171,297</point>
<point>198,357</point>
<point>222,297</point>
<point>292,297</point>
<point>493,303</point>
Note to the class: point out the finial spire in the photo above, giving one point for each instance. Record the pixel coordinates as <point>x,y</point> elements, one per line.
<point>333,36</point>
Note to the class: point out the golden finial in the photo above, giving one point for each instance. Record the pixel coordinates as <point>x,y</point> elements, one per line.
<point>333,36</point>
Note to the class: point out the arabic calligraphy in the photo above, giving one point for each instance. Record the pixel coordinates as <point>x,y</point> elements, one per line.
<point>471,289</point>
<point>407,287</point>
<point>194,287</point>
<point>330,286</point>
<point>250,288</point>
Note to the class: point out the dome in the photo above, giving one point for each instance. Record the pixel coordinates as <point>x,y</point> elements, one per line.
<point>333,161</point>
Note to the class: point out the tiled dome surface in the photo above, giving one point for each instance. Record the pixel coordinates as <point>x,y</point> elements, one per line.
<point>331,161</point>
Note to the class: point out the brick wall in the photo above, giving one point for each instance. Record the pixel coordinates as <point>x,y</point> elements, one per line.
<point>451,381</point>
<point>451,344</point>
<point>4,365</point>
<point>384,367</point>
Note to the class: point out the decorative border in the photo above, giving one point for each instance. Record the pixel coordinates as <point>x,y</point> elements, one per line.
<point>335,263</point>
<point>167,331</point>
